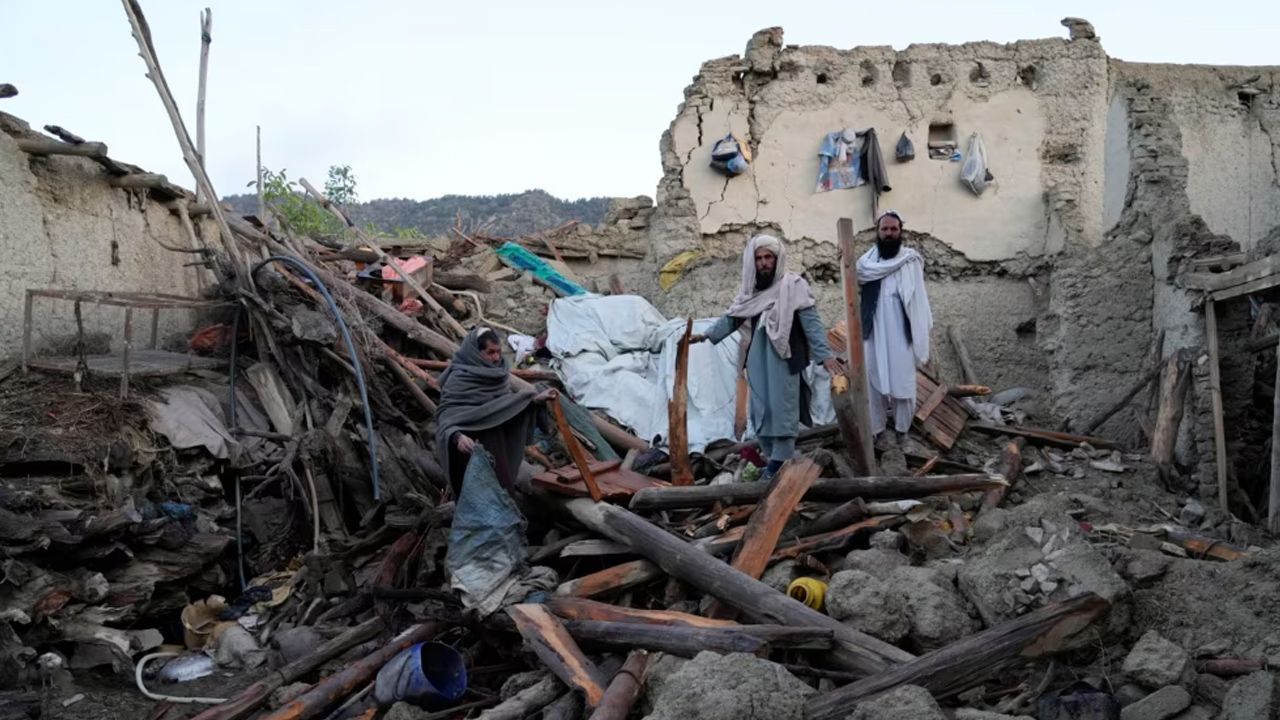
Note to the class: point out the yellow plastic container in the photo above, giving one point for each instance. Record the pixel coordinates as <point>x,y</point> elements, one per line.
<point>810,591</point>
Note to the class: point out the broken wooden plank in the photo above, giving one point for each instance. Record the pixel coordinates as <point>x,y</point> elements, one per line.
<point>580,459</point>
<point>689,641</point>
<point>853,408</point>
<point>623,690</point>
<point>1010,470</point>
<point>836,518</point>
<point>1200,547</point>
<point>1215,396</point>
<point>888,487</point>
<point>1041,436</point>
<point>962,355</point>
<point>40,146</point>
<point>836,538</point>
<point>678,414</point>
<point>1173,391</point>
<point>968,390</point>
<point>577,608</point>
<point>274,396</point>
<point>966,663</point>
<point>854,650</point>
<point>1115,407</point>
<point>1247,273</point>
<point>616,484</point>
<point>931,402</point>
<point>741,391</point>
<point>557,650</point>
<point>619,577</point>
<point>527,702</point>
<point>766,523</point>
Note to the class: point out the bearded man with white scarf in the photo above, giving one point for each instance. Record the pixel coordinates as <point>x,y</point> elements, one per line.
<point>781,335</point>
<point>896,321</point>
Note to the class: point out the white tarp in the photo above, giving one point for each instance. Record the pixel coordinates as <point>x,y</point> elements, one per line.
<point>617,354</point>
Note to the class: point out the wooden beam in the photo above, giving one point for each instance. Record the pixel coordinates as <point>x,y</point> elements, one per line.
<point>678,414</point>
<point>1010,469</point>
<point>577,608</point>
<point>1253,286</point>
<point>41,146</point>
<point>962,355</point>
<point>1042,436</point>
<point>206,39</point>
<point>836,539</point>
<point>1246,273</point>
<point>1273,493</point>
<point>557,650</point>
<point>766,523</point>
<point>1147,378</point>
<point>580,459</point>
<point>683,642</point>
<point>887,487</point>
<point>741,391</point>
<point>966,663</point>
<point>1174,380</point>
<point>1215,397</point>
<point>527,702</point>
<point>967,390</point>
<point>623,690</point>
<point>855,650</point>
<point>327,693</point>
<point>853,408</point>
<point>142,181</point>
<point>618,577</point>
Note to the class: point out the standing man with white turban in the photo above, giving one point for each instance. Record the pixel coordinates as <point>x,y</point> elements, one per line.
<point>781,335</point>
<point>896,321</point>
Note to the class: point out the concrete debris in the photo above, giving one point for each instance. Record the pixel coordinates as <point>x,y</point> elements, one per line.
<point>876,562</point>
<point>907,701</point>
<point>1253,696</point>
<point>1160,705</point>
<point>872,605</point>
<point>729,687</point>
<point>1155,662</point>
<point>971,714</point>
<point>935,612</point>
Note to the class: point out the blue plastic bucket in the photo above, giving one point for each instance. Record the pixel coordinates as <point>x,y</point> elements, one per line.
<point>431,674</point>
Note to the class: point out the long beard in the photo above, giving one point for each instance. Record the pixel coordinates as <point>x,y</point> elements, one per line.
<point>763,280</point>
<point>888,248</point>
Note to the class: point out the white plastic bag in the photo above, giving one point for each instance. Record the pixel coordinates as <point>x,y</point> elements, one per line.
<point>974,173</point>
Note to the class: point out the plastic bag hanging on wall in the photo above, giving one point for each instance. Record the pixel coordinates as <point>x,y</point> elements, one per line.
<point>729,156</point>
<point>974,173</point>
<point>905,150</point>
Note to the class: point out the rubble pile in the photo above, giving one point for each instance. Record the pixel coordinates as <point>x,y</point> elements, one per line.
<point>267,533</point>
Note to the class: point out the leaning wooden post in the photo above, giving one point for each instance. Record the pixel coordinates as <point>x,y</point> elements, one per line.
<point>206,39</point>
<point>678,414</point>
<point>1164,434</point>
<point>1273,496</point>
<point>1215,396</point>
<point>853,409</point>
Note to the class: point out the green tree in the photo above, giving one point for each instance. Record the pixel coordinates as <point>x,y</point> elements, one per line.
<point>301,214</point>
<point>341,185</point>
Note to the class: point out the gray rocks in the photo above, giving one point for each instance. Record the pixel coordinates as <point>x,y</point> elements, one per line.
<point>868,604</point>
<point>908,701</point>
<point>936,614</point>
<point>887,539</point>
<point>1251,697</point>
<point>971,714</point>
<point>1155,662</point>
<point>779,576</point>
<point>877,562</point>
<point>730,687</point>
<point>1159,705</point>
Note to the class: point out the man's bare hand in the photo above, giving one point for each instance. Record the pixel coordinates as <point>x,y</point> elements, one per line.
<point>465,444</point>
<point>547,396</point>
<point>697,338</point>
<point>834,366</point>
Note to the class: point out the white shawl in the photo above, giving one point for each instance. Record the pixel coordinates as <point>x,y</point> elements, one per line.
<point>776,304</point>
<point>872,267</point>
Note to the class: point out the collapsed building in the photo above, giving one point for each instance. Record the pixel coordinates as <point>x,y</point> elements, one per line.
<point>1121,241</point>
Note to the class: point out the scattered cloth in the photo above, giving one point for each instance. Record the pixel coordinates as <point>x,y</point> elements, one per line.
<point>487,540</point>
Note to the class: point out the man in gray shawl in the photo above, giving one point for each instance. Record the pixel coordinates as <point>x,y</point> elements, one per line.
<point>781,334</point>
<point>477,405</point>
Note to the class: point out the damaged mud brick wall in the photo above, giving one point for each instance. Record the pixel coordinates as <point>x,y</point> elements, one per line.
<point>64,226</point>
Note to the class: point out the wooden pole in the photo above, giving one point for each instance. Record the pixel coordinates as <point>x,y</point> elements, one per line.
<point>206,39</point>
<point>576,452</point>
<point>683,642</point>
<point>853,408</point>
<point>854,650</point>
<point>142,34</point>
<point>1273,494</point>
<point>966,663</point>
<point>625,687</point>
<point>1123,400</point>
<point>823,489</point>
<point>527,701</point>
<point>962,354</point>
<point>1147,421</point>
<point>1173,390</point>
<point>618,577</point>
<point>766,523</point>
<point>1215,396</point>
<point>256,694</point>
<point>576,608</point>
<point>41,146</point>
<point>138,181</point>
<point>678,414</point>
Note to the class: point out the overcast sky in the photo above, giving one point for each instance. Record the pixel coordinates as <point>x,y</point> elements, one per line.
<point>426,99</point>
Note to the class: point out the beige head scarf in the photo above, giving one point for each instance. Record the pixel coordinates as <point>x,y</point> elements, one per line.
<point>777,304</point>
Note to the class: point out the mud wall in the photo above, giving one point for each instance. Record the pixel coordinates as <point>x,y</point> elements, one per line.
<point>62,226</point>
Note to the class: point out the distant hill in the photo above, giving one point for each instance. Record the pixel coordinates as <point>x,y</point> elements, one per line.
<point>504,215</point>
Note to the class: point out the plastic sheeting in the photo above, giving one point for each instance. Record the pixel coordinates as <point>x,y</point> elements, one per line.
<point>486,542</point>
<point>617,354</point>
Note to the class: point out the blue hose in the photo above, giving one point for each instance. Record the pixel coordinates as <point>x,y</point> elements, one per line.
<point>351,349</point>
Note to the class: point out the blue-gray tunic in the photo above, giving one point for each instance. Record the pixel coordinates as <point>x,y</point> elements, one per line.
<point>775,392</point>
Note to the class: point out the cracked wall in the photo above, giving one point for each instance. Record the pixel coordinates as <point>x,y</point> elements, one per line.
<point>62,226</point>
<point>1033,102</point>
